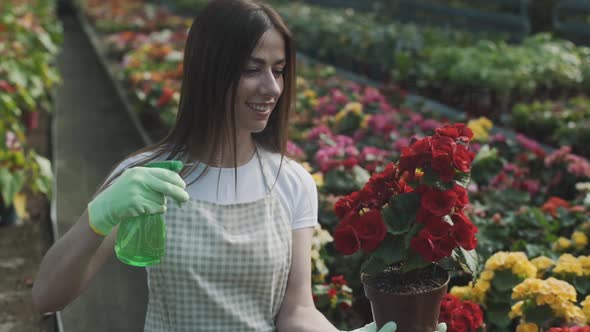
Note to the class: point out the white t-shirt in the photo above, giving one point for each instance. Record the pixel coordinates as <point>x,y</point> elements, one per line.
<point>295,187</point>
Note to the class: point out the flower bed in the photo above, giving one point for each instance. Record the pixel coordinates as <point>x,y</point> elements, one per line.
<point>556,122</point>
<point>343,132</point>
<point>29,39</point>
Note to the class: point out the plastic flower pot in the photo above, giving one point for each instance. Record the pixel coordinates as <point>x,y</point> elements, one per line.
<point>412,311</point>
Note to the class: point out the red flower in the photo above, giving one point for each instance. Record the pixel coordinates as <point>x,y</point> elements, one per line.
<point>345,205</point>
<point>553,204</point>
<point>464,316</point>
<point>457,131</point>
<point>344,306</point>
<point>439,202</point>
<point>462,197</point>
<point>437,227</point>
<point>371,230</point>
<point>332,293</point>
<point>570,329</point>
<point>165,97</point>
<point>338,280</point>
<point>462,158</point>
<point>431,247</point>
<point>443,149</point>
<point>346,239</point>
<point>383,184</point>
<point>464,231</point>
<point>6,87</point>
<point>419,153</point>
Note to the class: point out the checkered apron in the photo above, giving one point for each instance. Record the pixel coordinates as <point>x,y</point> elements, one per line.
<point>226,265</point>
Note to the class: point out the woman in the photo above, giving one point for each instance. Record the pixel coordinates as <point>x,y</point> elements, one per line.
<point>238,251</point>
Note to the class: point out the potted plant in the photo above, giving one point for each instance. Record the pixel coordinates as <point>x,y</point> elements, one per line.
<point>19,168</point>
<point>408,221</point>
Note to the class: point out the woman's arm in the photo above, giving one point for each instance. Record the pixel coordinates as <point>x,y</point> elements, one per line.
<point>69,266</point>
<point>298,312</point>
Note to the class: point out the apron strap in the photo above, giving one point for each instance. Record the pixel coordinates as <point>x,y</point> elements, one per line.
<point>260,153</point>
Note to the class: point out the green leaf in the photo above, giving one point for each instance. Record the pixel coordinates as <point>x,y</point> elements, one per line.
<point>391,250</point>
<point>373,265</point>
<point>403,211</point>
<point>430,178</point>
<point>468,259</point>
<point>504,280</point>
<point>11,184</point>
<point>538,314</point>
<point>415,262</point>
<point>416,227</point>
<point>46,41</point>
<point>498,315</point>
<point>361,176</point>
<point>463,179</point>
<point>582,285</point>
<point>340,182</point>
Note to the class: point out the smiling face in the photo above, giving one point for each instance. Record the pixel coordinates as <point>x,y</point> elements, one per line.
<point>261,84</point>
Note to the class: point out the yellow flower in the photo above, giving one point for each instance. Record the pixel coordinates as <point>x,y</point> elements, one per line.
<point>527,327</point>
<point>318,178</point>
<point>307,166</point>
<point>561,289</point>
<point>354,107</point>
<point>462,292</point>
<point>516,310</point>
<point>586,307</point>
<point>481,287</point>
<point>308,93</point>
<point>487,275</point>
<point>574,314</point>
<point>527,288</point>
<point>365,121</point>
<point>300,81</point>
<point>580,240</point>
<point>525,269</point>
<point>480,128</point>
<point>568,264</point>
<point>585,262</point>
<point>542,263</point>
<point>562,244</point>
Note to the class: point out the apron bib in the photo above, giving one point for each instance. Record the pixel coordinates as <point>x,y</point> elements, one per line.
<point>226,265</point>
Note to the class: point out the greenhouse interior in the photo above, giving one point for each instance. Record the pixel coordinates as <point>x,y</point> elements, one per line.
<point>295,165</point>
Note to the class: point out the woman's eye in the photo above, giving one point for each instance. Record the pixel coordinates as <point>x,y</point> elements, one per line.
<point>278,72</point>
<point>250,70</point>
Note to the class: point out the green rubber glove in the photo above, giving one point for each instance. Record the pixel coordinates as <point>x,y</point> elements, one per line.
<point>138,191</point>
<point>389,327</point>
<point>392,327</point>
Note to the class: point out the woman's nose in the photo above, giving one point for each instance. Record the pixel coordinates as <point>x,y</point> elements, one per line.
<point>271,85</point>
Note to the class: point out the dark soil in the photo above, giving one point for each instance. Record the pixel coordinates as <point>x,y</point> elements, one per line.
<point>22,247</point>
<point>393,280</point>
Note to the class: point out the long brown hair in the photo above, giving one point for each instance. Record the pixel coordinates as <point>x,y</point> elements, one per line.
<point>221,39</point>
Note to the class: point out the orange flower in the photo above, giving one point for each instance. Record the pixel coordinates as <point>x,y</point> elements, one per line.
<point>553,204</point>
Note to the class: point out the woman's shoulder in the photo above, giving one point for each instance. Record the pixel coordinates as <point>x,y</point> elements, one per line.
<point>291,171</point>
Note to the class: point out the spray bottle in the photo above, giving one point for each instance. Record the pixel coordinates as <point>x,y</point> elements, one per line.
<point>141,240</point>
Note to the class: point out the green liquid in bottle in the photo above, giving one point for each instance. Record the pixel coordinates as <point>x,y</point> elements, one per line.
<point>141,241</point>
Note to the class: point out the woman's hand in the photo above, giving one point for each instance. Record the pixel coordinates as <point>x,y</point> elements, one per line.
<point>138,191</point>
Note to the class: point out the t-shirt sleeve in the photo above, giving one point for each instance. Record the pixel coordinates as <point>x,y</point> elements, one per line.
<point>305,213</point>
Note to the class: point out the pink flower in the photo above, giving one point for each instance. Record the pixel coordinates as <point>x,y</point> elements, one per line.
<point>338,97</point>
<point>578,166</point>
<point>295,151</point>
<point>530,144</point>
<point>372,95</point>
<point>315,133</point>
<point>12,142</point>
<point>429,125</point>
